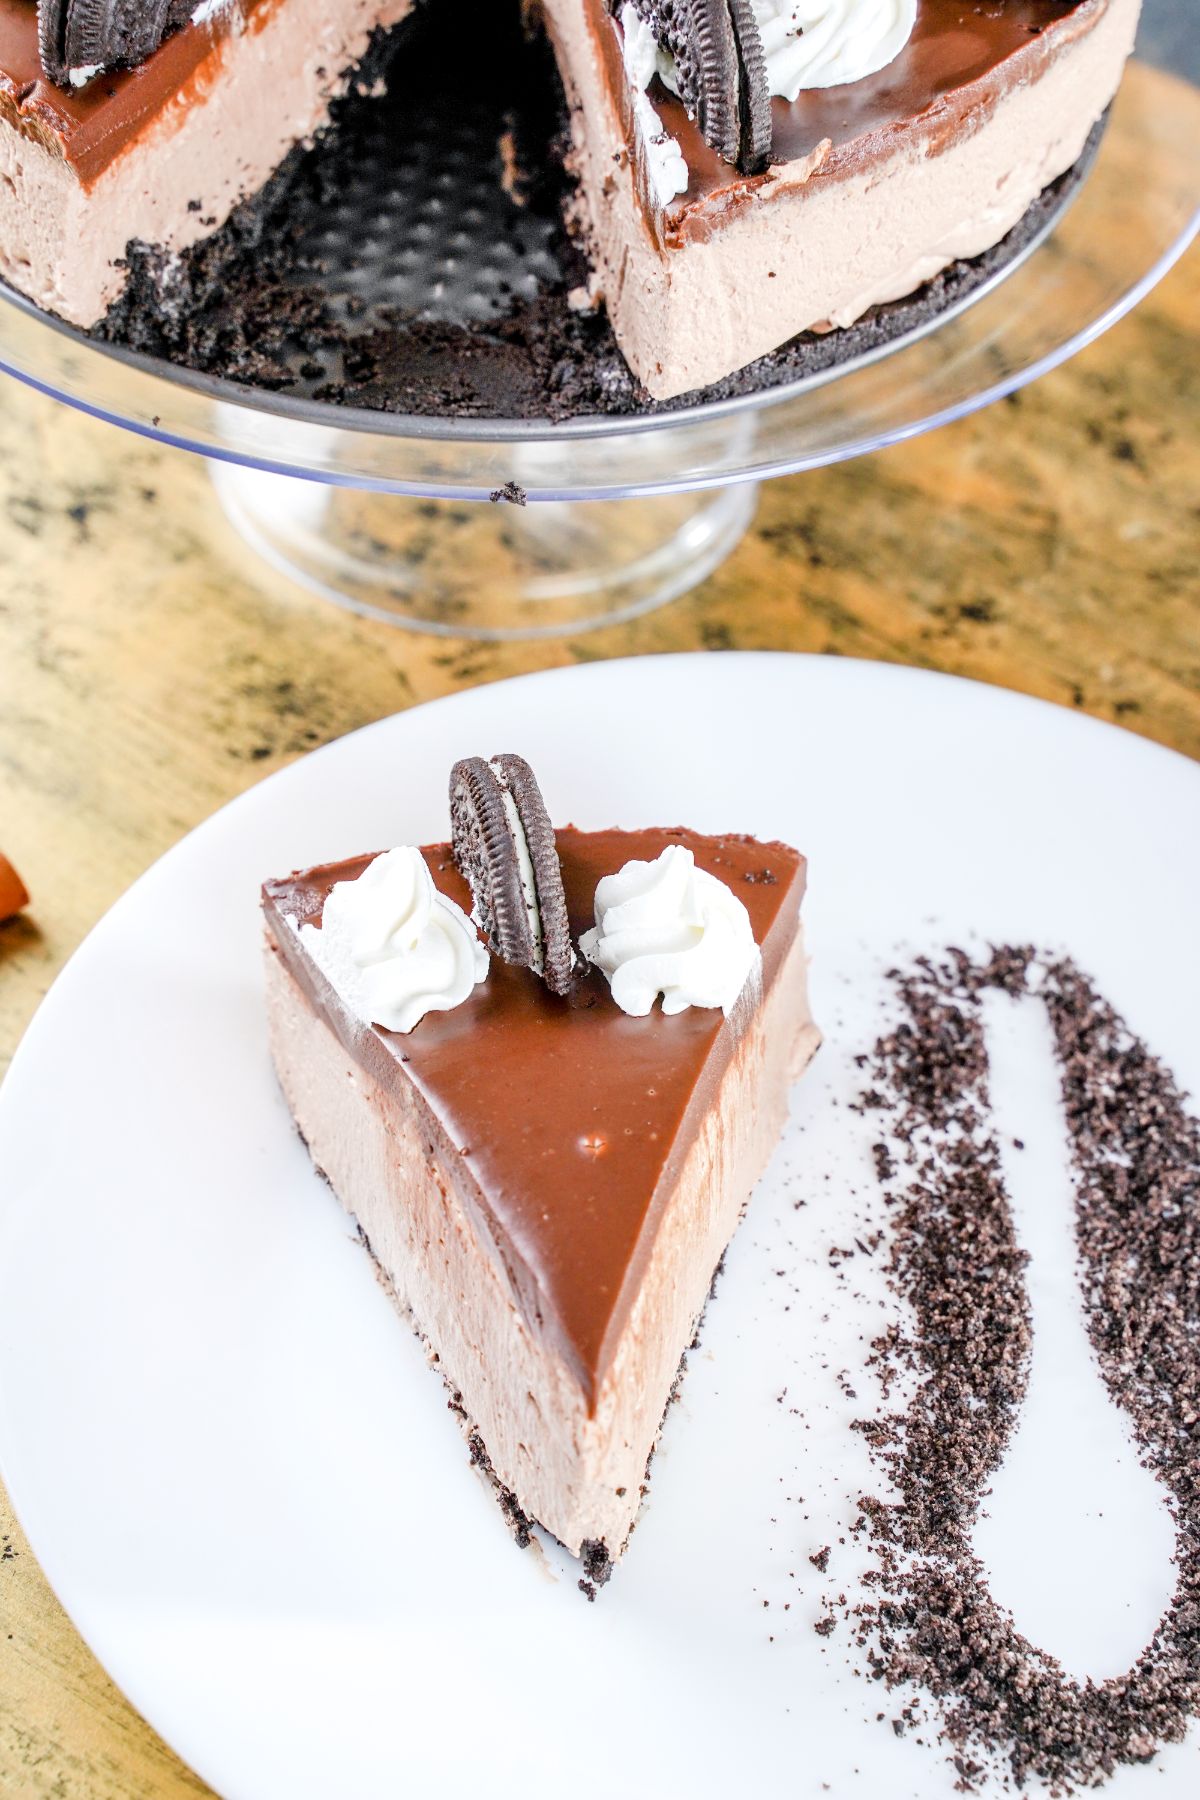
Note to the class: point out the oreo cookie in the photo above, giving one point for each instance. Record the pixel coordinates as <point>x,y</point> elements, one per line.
<point>504,846</point>
<point>754,92</point>
<point>720,71</point>
<point>88,35</point>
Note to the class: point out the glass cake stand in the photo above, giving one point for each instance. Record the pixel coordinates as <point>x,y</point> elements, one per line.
<point>378,511</point>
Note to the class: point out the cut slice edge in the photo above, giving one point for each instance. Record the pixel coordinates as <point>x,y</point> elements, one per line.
<point>568,1447</point>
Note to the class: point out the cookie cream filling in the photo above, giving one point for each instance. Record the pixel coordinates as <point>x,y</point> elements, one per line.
<point>524,871</point>
<point>393,947</point>
<point>666,927</point>
<point>208,9</point>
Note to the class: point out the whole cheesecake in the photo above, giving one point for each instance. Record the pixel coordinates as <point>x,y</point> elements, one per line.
<point>549,1163</point>
<point>744,169</point>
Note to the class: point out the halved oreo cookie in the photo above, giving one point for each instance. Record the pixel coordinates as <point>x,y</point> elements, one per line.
<point>86,35</point>
<point>504,846</point>
<point>721,72</point>
<point>754,92</point>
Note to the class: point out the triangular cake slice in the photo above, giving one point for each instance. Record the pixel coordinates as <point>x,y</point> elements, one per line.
<point>548,1183</point>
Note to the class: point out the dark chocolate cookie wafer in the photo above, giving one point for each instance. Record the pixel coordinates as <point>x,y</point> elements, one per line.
<point>504,846</point>
<point>754,92</point>
<point>698,35</point>
<point>87,35</point>
<point>721,72</point>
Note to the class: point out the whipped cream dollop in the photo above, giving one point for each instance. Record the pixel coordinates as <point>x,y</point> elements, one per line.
<point>666,167</point>
<point>208,9</point>
<point>823,43</point>
<point>666,927</point>
<point>393,946</point>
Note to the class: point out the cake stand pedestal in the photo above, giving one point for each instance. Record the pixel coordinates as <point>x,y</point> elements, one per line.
<point>396,517</point>
<point>500,570</point>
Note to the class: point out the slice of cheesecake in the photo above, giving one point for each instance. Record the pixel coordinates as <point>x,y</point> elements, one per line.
<point>549,1181</point>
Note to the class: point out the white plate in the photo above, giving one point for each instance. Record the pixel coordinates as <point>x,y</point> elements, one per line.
<point>229,1455</point>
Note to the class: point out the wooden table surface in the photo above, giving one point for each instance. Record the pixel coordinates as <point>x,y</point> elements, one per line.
<point>149,671</point>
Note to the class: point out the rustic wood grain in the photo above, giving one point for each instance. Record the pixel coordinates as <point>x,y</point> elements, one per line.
<point>148,673</point>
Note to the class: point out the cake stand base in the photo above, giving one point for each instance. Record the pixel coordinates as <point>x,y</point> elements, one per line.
<point>502,570</point>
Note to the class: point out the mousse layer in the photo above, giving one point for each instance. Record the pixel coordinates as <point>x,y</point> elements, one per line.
<point>548,1185</point>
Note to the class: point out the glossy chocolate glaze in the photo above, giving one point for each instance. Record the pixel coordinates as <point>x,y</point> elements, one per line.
<point>570,1120</point>
<point>962,57</point>
<point>90,126</point>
